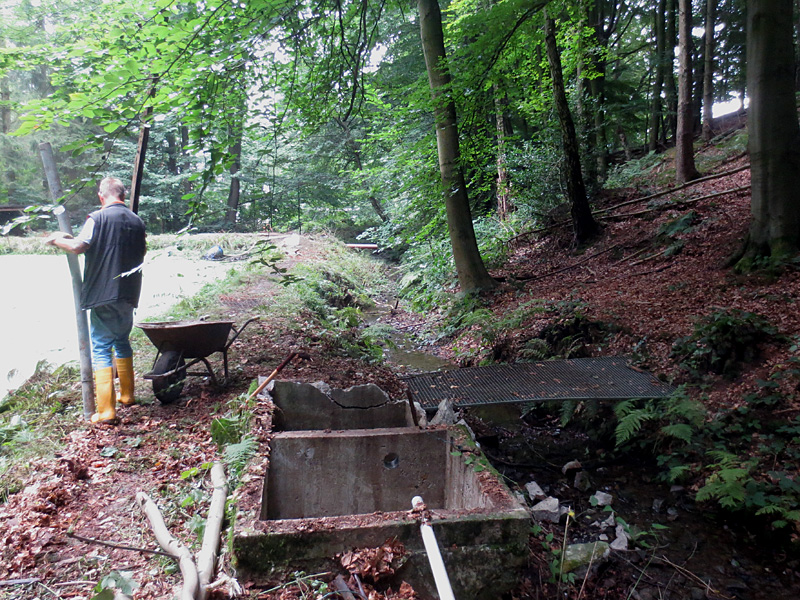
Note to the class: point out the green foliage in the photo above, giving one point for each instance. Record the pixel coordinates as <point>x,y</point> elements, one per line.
<point>678,417</point>
<point>683,224</point>
<point>746,458</point>
<point>121,582</point>
<point>568,335</point>
<point>721,341</point>
<point>27,427</point>
<point>236,455</point>
<point>333,295</point>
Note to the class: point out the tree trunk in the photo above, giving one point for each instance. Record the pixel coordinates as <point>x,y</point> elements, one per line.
<point>505,204</point>
<point>602,17</point>
<point>773,132</point>
<point>658,84</point>
<point>5,100</point>
<point>583,224</point>
<point>355,148</point>
<point>698,76</point>
<point>685,169</point>
<point>235,133</point>
<point>671,123</point>
<point>472,273</point>
<point>708,71</point>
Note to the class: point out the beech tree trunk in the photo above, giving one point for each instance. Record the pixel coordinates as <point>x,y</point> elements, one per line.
<point>235,133</point>
<point>583,224</point>
<point>774,134</point>
<point>670,92</point>
<point>354,147</point>
<point>472,273</point>
<point>708,71</point>
<point>5,100</point>
<point>602,16</point>
<point>685,169</point>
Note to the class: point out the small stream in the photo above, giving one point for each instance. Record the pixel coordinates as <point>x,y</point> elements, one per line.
<point>679,549</point>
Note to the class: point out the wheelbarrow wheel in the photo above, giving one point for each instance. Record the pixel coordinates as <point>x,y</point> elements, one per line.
<point>168,388</point>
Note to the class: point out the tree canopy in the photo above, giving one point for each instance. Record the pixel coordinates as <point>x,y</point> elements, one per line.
<point>280,114</point>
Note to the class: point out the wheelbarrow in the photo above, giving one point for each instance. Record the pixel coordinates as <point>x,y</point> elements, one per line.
<point>179,341</point>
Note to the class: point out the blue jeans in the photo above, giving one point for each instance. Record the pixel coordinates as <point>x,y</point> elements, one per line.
<point>110,326</point>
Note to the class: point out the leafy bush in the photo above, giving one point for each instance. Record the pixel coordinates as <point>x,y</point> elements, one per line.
<point>744,459</point>
<point>721,341</point>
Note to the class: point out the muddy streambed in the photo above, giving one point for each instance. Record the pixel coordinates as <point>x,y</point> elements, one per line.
<point>677,548</point>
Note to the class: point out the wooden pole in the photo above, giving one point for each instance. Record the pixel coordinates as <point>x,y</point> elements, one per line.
<point>84,345</point>
<point>141,151</point>
<point>138,162</point>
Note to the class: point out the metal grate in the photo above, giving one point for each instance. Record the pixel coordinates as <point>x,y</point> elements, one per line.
<point>574,379</point>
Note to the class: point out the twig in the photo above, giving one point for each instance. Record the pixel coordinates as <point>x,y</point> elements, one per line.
<point>690,575</point>
<point>19,581</point>
<point>634,255</point>
<point>641,574</point>
<point>680,202</point>
<point>567,268</point>
<point>672,190</point>
<point>588,570</point>
<point>629,202</point>
<point>651,257</point>
<point>191,579</point>
<point>118,546</point>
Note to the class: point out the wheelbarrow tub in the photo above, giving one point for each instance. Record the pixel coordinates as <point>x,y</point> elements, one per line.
<point>193,339</point>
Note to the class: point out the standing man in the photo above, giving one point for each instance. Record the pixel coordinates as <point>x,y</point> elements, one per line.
<point>113,239</point>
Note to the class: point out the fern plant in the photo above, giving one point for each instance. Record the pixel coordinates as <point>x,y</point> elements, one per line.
<point>678,417</point>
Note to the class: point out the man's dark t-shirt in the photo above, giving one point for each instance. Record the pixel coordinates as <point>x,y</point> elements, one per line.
<point>118,246</point>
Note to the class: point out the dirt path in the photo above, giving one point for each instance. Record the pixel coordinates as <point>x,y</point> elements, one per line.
<point>88,489</point>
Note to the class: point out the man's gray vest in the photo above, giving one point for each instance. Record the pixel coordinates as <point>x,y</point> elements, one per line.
<point>117,247</point>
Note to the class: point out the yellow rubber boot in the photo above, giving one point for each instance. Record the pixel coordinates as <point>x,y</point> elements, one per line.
<point>125,374</point>
<point>105,399</point>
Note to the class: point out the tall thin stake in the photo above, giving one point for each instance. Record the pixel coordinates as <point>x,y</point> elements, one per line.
<point>84,347</point>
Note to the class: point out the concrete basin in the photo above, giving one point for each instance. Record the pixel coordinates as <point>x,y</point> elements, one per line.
<point>325,493</point>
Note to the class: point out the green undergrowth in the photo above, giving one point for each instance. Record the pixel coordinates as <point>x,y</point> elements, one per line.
<point>190,244</point>
<point>34,418</point>
<point>744,459</point>
<point>328,301</point>
<point>722,342</point>
<point>531,331</point>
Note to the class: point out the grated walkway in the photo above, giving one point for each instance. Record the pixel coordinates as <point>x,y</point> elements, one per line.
<point>572,379</point>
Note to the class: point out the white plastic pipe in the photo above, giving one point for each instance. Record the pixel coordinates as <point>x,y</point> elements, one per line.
<point>434,557</point>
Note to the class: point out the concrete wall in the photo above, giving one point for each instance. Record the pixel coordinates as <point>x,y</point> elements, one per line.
<point>304,406</point>
<point>322,474</point>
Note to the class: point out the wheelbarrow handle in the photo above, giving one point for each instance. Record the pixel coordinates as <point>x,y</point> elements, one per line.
<point>236,332</point>
<point>277,370</point>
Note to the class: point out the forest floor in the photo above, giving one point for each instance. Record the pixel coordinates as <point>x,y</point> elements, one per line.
<point>646,289</point>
